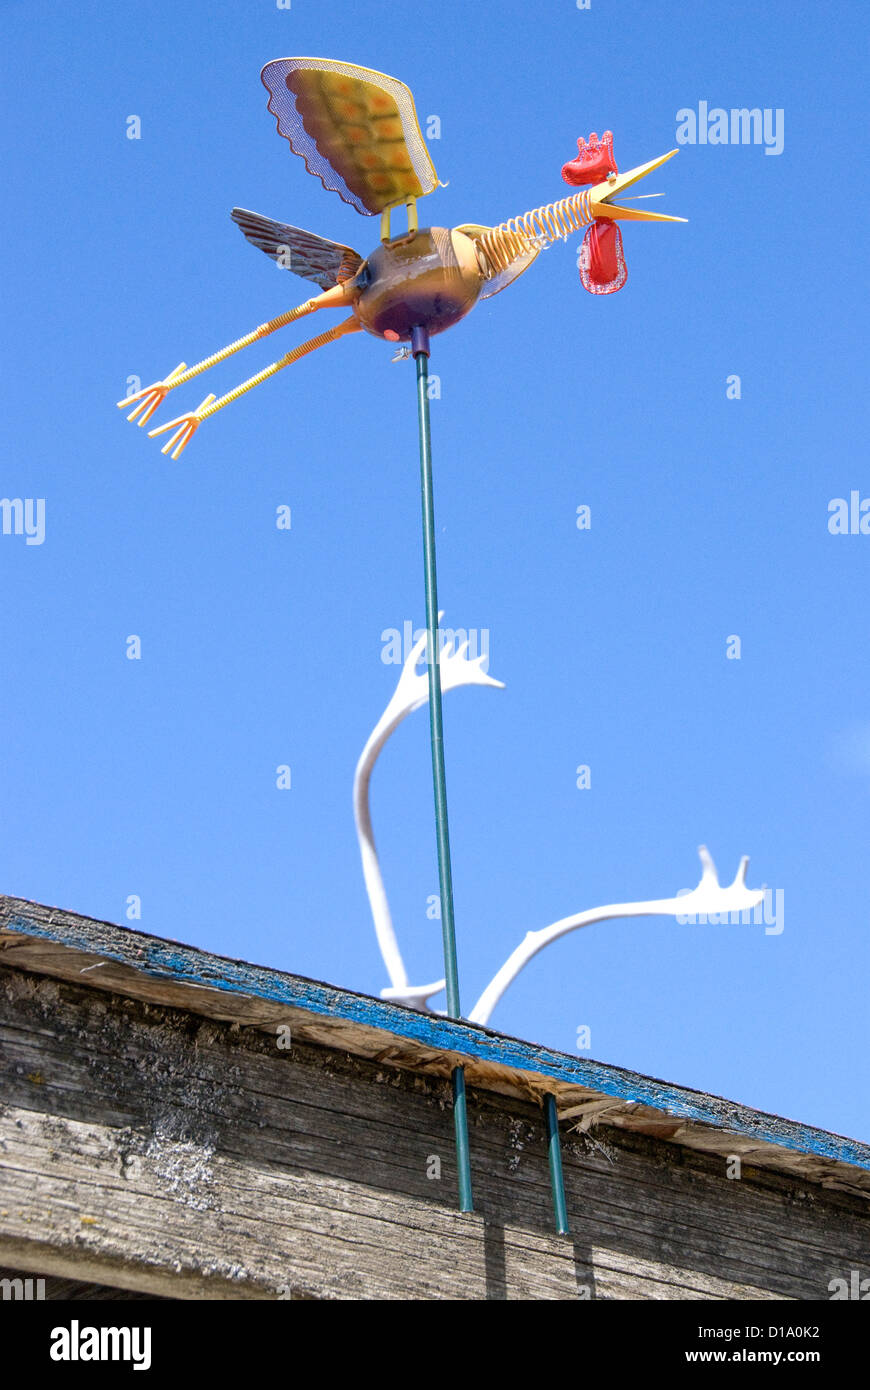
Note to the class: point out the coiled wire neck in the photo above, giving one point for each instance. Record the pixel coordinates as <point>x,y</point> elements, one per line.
<point>502,245</point>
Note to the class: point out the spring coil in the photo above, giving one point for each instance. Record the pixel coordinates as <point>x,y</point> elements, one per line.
<point>532,232</point>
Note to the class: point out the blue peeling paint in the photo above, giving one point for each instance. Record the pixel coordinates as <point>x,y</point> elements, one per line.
<point>180,964</point>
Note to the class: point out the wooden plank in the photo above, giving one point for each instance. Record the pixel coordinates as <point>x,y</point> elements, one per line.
<point>163,1152</point>
<point>50,1287</point>
<point>67,946</point>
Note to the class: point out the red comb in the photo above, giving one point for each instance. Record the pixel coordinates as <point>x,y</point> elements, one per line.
<point>594,161</point>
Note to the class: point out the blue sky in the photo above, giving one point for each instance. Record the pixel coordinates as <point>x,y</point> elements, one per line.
<point>263,647</point>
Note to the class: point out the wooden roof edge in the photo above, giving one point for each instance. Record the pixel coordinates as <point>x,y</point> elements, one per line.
<point>25,927</point>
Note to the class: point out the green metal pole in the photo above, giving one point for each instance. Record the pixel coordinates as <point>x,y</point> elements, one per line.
<point>554,1154</point>
<point>420,349</point>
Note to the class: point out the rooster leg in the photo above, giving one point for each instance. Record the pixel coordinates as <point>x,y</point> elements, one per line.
<point>185,426</point>
<point>146,401</point>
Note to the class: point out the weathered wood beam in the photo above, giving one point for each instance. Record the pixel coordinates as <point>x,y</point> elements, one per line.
<point>161,1151</point>
<point>66,946</point>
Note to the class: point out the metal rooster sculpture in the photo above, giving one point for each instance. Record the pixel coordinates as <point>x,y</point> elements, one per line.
<point>357,130</point>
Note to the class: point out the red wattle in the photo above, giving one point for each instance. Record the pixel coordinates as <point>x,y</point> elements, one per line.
<point>602,263</point>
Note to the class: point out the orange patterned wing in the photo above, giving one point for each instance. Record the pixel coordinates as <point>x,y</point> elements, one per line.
<point>356,129</point>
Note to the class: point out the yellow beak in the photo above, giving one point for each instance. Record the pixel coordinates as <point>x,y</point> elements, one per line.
<point>600,196</point>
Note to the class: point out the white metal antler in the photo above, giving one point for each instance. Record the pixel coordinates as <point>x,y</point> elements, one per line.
<point>709,896</point>
<point>411,692</point>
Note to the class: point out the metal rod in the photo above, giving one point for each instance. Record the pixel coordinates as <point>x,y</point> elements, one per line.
<point>554,1154</point>
<point>420,349</point>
